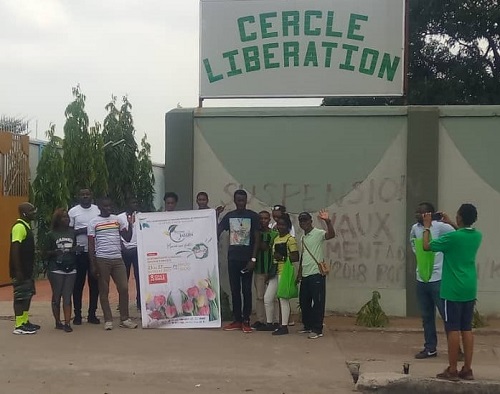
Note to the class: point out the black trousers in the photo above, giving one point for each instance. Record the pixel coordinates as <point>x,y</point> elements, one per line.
<point>83,272</point>
<point>241,284</point>
<point>131,259</point>
<point>312,302</point>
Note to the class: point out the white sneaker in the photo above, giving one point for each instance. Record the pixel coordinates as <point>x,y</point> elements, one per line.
<point>128,324</point>
<point>108,325</point>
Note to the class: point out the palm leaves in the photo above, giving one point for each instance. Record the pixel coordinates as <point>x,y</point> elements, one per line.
<point>371,314</point>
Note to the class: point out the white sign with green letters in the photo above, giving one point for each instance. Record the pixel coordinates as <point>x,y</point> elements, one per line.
<point>301,48</point>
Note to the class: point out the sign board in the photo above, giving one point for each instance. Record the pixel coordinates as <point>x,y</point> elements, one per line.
<point>301,48</point>
<point>178,266</point>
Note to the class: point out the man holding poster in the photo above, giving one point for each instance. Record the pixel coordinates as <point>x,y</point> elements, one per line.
<point>243,227</point>
<point>178,266</point>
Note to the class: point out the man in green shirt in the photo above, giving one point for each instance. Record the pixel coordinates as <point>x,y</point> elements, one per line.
<point>22,260</point>
<point>458,284</point>
<point>312,282</point>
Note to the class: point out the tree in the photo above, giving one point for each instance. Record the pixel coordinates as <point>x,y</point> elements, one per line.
<point>50,190</point>
<point>145,179</point>
<point>454,55</point>
<point>120,151</point>
<point>454,52</point>
<point>77,158</point>
<point>99,180</point>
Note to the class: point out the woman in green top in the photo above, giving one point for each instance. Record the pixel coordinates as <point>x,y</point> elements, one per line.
<point>284,246</point>
<point>61,249</point>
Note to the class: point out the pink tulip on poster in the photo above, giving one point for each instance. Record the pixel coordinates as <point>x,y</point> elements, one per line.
<point>193,292</point>
<point>171,311</point>
<point>156,315</point>
<point>159,300</point>
<point>204,311</point>
<point>210,294</point>
<point>187,307</point>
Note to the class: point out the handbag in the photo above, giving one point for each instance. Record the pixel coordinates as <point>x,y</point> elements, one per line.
<point>324,268</point>
<point>283,250</point>
<point>425,260</point>
<point>287,287</point>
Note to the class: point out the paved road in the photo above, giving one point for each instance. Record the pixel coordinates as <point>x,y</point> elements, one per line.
<point>91,360</point>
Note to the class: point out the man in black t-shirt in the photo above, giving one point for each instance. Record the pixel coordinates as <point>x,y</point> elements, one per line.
<point>243,227</point>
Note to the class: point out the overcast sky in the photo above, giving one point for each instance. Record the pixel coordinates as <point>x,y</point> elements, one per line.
<point>147,50</point>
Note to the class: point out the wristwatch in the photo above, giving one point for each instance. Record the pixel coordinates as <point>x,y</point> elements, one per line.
<point>253,259</point>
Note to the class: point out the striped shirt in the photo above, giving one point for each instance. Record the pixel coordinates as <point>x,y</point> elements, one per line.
<point>106,232</point>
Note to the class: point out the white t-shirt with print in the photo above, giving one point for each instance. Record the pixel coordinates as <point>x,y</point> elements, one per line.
<point>106,232</point>
<point>80,217</point>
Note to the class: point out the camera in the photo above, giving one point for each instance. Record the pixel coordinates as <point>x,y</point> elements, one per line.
<point>437,216</point>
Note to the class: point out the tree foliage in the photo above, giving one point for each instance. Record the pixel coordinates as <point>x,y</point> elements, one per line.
<point>145,180</point>
<point>100,170</point>
<point>77,154</point>
<point>120,151</point>
<point>454,55</point>
<point>50,190</point>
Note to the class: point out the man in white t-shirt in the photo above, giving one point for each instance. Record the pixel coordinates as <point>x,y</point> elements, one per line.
<point>312,283</point>
<point>79,218</point>
<point>129,249</point>
<point>105,233</point>
<point>429,282</point>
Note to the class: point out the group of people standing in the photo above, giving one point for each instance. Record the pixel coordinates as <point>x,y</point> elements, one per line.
<point>85,244</point>
<point>259,250</point>
<point>89,243</point>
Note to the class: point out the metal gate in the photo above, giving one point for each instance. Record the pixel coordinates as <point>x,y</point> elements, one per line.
<point>14,189</point>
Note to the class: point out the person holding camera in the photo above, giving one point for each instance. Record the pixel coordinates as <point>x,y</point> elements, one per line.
<point>458,285</point>
<point>428,274</point>
<point>61,251</point>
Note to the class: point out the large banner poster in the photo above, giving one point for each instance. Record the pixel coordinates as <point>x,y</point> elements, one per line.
<point>178,265</point>
<point>301,48</point>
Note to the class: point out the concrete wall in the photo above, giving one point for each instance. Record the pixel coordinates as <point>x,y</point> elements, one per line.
<point>468,172</point>
<point>368,166</point>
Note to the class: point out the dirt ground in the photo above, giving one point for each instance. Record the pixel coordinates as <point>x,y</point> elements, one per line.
<point>91,360</point>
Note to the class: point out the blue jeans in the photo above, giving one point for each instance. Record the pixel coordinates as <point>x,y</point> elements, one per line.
<point>429,299</point>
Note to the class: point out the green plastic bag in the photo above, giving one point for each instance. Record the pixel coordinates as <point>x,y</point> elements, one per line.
<point>425,260</point>
<point>287,288</point>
